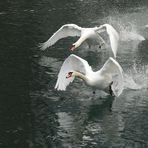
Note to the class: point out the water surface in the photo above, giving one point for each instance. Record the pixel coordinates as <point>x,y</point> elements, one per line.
<point>35,115</point>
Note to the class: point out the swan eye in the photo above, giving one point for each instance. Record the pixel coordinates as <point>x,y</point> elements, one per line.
<point>70,73</point>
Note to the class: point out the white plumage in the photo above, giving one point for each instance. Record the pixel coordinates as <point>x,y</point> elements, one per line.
<point>109,78</point>
<point>113,36</point>
<point>90,35</point>
<point>86,34</point>
<point>64,31</point>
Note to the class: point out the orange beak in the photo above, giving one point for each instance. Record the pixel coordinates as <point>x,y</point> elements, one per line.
<point>68,76</point>
<point>72,47</point>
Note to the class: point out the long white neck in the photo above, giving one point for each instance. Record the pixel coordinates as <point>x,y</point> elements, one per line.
<point>80,75</point>
<point>80,41</point>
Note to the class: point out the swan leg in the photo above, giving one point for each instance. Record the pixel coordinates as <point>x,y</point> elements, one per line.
<point>89,46</point>
<point>88,43</point>
<point>110,89</point>
<point>93,95</point>
<point>102,45</point>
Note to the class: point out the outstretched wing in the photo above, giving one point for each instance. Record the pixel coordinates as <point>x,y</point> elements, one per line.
<point>113,36</point>
<point>113,68</point>
<point>74,63</point>
<point>64,31</point>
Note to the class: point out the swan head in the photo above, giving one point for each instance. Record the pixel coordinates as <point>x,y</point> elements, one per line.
<point>73,73</point>
<point>70,74</point>
<point>76,74</point>
<point>72,47</point>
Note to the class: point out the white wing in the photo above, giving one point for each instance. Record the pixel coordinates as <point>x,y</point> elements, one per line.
<point>114,38</point>
<point>64,31</point>
<point>113,68</point>
<point>73,62</point>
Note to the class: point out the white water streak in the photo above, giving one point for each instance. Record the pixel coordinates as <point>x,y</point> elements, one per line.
<point>136,77</point>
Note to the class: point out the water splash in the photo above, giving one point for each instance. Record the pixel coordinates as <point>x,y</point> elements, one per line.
<point>127,27</point>
<point>136,77</point>
<point>129,32</point>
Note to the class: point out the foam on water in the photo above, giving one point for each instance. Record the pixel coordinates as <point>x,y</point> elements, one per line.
<point>129,26</point>
<point>136,77</point>
<point>130,33</point>
<point>128,30</point>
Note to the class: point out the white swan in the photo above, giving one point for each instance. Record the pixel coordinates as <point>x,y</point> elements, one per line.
<point>109,78</point>
<point>86,34</point>
<point>113,36</point>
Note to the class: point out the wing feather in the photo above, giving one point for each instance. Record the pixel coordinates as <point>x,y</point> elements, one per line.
<point>64,31</point>
<point>113,68</point>
<point>73,62</point>
<point>114,38</point>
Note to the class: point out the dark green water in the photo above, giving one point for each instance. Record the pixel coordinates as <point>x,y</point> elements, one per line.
<point>33,114</point>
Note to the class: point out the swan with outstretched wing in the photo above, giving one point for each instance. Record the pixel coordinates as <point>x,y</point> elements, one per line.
<point>109,78</point>
<point>89,35</point>
<point>85,34</point>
